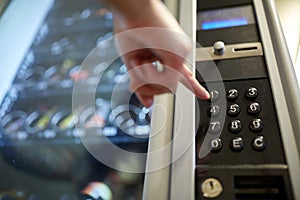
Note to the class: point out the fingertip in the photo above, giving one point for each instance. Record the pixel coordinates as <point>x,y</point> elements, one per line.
<point>206,95</point>
<point>203,94</point>
<point>146,101</point>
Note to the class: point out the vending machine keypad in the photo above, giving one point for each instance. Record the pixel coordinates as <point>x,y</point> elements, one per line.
<point>250,130</point>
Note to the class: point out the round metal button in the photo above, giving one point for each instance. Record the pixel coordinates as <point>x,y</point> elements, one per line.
<point>254,108</point>
<point>214,95</point>
<point>235,126</point>
<point>216,145</point>
<point>237,144</point>
<point>259,143</point>
<point>219,48</point>
<point>251,93</point>
<point>214,127</point>
<point>256,125</point>
<point>232,94</point>
<point>233,110</point>
<point>213,111</point>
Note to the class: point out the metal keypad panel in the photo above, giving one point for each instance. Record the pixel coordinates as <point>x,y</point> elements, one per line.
<point>249,134</point>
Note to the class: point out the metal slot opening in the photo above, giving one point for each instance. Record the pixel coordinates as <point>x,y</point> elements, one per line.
<point>245,49</point>
<point>259,187</point>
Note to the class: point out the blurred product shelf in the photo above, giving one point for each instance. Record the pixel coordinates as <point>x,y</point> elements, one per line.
<point>43,135</point>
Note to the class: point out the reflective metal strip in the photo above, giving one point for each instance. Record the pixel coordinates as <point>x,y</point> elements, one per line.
<point>231,51</point>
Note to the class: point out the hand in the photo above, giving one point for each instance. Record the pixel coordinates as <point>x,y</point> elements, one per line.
<point>147,32</point>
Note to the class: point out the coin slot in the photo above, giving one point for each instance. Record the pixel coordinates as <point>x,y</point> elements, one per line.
<point>245,49</point>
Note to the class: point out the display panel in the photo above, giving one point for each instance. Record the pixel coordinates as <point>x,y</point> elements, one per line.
<point>225,18</point>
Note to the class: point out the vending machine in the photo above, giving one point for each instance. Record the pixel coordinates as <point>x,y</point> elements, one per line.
<point>53,145</point>
<point>243,143</point>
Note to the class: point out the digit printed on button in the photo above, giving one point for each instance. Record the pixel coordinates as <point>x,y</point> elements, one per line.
<point>251,93</point>
<point>235,126</point>
<point>214,95</point>
<point>213,111</point>
<point>233,109</point>
<point>214,127</point>
<point>256,125</point>
<point>232,94</point>
<point>254,108</point>
<point>216,145</point>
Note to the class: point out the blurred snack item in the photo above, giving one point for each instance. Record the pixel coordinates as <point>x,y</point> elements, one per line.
<point>96,191</point>
<point>12,125</point>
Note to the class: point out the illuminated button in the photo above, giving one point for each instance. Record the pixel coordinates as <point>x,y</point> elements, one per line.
<point>233,110</point>
<point>214,95</point>
<point>256,125</point>
<point>259,143</point>
<point>237,144</point>
<point>235,126</point>
<point>213,111</point>
<point>251,93</point>
<point>232,94</point>
<point>216,145</point>
<point>254,108</point>
<point>214,127</point>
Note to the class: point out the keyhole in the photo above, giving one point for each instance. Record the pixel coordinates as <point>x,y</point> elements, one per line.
<point>211,185</point>
<point>211,188</point>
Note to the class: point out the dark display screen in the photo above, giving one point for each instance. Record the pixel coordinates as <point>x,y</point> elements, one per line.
<point>225,18</point>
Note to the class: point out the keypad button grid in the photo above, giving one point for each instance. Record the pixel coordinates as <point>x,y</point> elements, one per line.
<point>256,135</point>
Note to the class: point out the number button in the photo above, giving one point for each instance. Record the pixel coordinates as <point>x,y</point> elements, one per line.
<point>256,125</point>
<point>214,127</point>
<point>235,126</point>
<point>259,143</point>
<point>251,93</point>
<point>234,110</point>
<point>213,111</point>
<point>254,108</point>
<point>216,145</point>
<point>232,94</point>
<point>237,144</point>
<point>214,95</point>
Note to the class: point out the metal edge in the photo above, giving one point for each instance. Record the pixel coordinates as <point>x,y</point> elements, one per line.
<point>156,182</point>
<point>182,179</point>
<point>230,51</point>
<point>160,137</point>
<point>287,73</point>
<point>284,119</point>
<point>19,25</point>
<point>172,6</point>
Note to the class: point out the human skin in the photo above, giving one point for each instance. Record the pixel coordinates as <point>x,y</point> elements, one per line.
<point>146,32</point>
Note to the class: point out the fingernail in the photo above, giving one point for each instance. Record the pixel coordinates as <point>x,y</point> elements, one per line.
<point>203,94</point>
<point>149,102</point>
<point>207,95</point>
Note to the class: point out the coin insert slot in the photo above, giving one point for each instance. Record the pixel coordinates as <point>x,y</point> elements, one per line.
<point>245,49</point>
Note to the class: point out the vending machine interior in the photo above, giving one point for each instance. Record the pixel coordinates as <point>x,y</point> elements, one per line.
<point>47,142</point>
